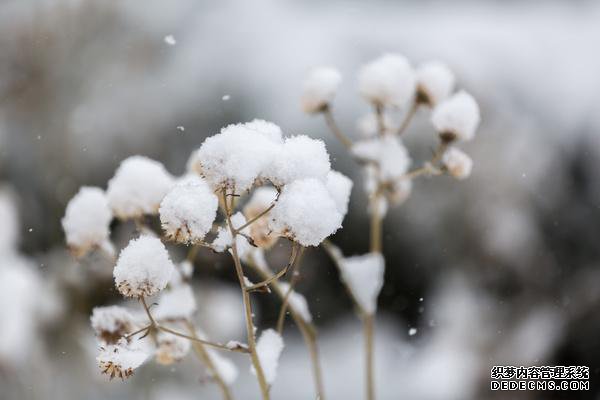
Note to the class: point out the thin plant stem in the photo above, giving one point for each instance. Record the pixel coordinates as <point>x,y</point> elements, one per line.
<point>279,274</point>
<point>264,387</point>
<point>307,329</point>
<point>380,121</point>
<point>205,358</point>
<point>368,329</point>
<point>202,341</point>
<point>408,117</point>
<point>293,282</point>
<point>256,217</point>
<point>345,140</point>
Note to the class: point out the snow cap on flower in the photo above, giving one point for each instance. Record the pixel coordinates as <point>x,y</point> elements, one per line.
<point>176,303</point>
<point>388,81</point>
<point>306,212</point>
<point>223,240</point>
<point>300,157</point>
<point>138,187</point>
<point>170,348</point>
<point>387,152</point>
<point>121,359</point>
<point>320,87</point>
<point>268,348</point>
<point>143,268</point>
<point>297,302</point>
<point>339,187</point>
<point>86,221</point>
<point>363,275</point>
<point>262,198</point>
<point>235,158</point>
<point>435,82</point>
<point>458,163</point>
<point>188,211</point>
<point>457,117</point>
<point>111,323</point>
<point>368,125</point>
<point>267,129</point>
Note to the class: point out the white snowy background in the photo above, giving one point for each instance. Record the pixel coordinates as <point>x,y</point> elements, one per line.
<point>500,269</point>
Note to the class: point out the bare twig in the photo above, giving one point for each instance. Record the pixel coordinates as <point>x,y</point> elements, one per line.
<point>345,140</point>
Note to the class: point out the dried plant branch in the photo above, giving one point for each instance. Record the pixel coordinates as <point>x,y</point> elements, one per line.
<point>260,215</point>
<point>293,281</point>
<point>264,387</point>
<point>345,140</point>
<point>279,274</point>
<point>408,117</point>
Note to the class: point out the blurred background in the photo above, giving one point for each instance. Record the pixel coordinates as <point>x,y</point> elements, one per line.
<point>501,269</point>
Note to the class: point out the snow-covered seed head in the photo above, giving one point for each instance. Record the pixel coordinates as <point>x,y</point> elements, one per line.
<point>261,199</point>
<point>235,158</point>
<point>138,187</point>
<point>170,348</point>
<point>457,163</point>
<point>363,275</point>
<point>188,211</point>
<point>177,302</point>
<point>306,212</point>
<point>267,129</point>
<point>456,117</point>
<point>339,187</point>
<point>121,359</point>
<point>388,81</point>
<point>268,348</point>
<point>143,268</point>
<point>111,323</point>
<point>300,157</point>
<point>86,221</point>
<point>368,125</point>
<point>320,87</point>
<point>387,152</point>
<point>435,82</point>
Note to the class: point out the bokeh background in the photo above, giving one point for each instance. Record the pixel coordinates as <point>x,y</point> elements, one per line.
<point>500,269</point>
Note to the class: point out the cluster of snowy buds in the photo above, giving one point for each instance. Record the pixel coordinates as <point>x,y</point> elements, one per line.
<point>395,91</point>
<point>265,185</point>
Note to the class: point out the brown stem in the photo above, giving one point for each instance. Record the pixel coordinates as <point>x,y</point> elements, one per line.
<point>197,340</point>
<point>376,223</point>
<point>205,358</point>
<point>380,119</point>
<point>346,141</point>
<point>408,117</point>
<point>307,329</point>
<point>263,213</point>
<point>368,326</point>
<point>264,387</point>
<point>278,275</point>
<point>293,282</point>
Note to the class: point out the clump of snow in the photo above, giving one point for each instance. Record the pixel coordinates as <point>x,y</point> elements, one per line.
<point>306,212</point>
<point>235,158</point>
<point>387,152</point>
<point>171,348</point>
<point>363,275</point>
<point>170,40</point>
<point>111,323</point>
<point>224,366</point>
<point>297,302</point>
<point>388,81</point>
<point>10,223</point>
<point>320,87</point>
<point>223,240</point>
<point>412,331</point>
<point>368,125</point>
<point>86,221</point>
<point>339,187</point>
<point>435,82</point>
<point>266,128</point>
<point>300,157</point>
<point>188,211</point>
<point>176,303</point>
<point>458,116</point>
<point>399,191</point>
<point>121,359</point>
<point>458,163</point>
<point>143,268</point>
<point>269,348</point>
<point>182,273</point>
<point>138,187</point>
<point>261,199</point>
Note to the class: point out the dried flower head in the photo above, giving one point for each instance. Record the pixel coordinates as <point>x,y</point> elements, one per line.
<point>261,199</point>
<point>320,87</point>
<point>170,348</point>
<point>111,323</point>
<point>138,187</point>
<point>121,359</point>
<point>143,268</point>
<point>456,117</point>
<point>457,163</point>
<point>435,82</point>
<point>86,221</point>
<point>188,211</point>
<point>388,81</point>
<point>387,152</point>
